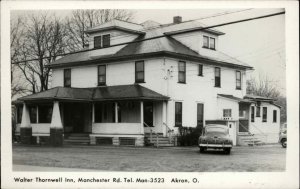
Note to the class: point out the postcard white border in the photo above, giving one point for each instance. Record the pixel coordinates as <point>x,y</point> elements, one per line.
<point>287,179</point>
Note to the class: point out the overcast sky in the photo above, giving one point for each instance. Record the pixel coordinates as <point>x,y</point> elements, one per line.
<point>259,43</point>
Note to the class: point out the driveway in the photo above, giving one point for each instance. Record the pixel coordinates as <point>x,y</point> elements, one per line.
<point>168,159</point>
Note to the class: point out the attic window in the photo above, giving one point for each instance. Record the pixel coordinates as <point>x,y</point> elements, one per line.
<point>102,41</point>
<point>209,42</point>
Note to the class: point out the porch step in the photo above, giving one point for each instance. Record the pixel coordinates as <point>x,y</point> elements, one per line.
<point>249,140</point>
<point>77,138</point>
<point>160,140</point>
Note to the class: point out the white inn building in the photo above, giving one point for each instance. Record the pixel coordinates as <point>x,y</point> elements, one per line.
<point>122,94</point>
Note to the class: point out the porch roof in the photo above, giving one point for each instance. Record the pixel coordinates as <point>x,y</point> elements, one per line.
<point>235,98</point>
<point>105,93</point>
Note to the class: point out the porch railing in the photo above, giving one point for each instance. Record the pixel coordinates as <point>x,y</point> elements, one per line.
<point>151,134</point>
<point>261,133</point>
<point>169,132</point>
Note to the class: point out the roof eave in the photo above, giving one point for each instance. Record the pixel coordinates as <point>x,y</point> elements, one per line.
<point>149,55</point>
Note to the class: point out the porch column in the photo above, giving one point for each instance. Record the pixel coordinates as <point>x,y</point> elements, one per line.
<point>116,112</point>
<point>56,127</point>
<point>25,128</point>
<point>93,112</point>
<point>164,117</point>
<point>142,117</point>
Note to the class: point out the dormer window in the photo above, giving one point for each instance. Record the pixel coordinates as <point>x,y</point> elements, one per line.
<point>102,41</point>
<point>97,42</point>
<point>209,42</point>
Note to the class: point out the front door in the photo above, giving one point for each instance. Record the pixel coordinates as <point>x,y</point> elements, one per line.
<point>74,117</point>
<point>148,113</point>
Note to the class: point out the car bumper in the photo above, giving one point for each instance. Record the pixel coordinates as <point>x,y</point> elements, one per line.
<point>216,145</point>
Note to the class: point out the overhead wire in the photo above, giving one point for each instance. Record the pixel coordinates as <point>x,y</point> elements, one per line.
<point>159,36</point>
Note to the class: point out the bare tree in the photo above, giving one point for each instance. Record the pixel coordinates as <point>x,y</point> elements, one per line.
<point>45,40</point>
<point>81,20</point>
<point>17,37</point>
<point>262,86</point>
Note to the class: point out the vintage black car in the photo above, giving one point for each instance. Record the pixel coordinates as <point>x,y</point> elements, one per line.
<point>216,137</point>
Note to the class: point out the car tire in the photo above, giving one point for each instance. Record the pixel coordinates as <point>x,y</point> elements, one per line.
<point>227,150</point>
<point>283,143</point>
<point>202,149</point>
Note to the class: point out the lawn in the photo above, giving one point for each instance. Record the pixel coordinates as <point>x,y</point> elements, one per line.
<point>169,159</point>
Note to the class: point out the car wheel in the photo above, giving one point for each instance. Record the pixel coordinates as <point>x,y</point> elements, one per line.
<point>283,143</point>
<point>202,149</point>
<point>227,150</point>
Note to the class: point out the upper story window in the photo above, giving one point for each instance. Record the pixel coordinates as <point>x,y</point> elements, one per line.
<point>200,70</point>
<point>178,114</point>
<point>264,117</point>
<point>274,116</point>
<point>217,77</point>
<point>67,77</point>
<point>101,75</point>
<point>102,41</point>
<point>181,72</point>
<point>238,80</point>
<point>209,42</point>
<point>97,42</point>
<point>139,72</point>
<point>106,40</point>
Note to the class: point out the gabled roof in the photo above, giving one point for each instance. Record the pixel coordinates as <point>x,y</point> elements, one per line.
<point>119,92</point>
<point>160,46</point>
<point>117,24</point>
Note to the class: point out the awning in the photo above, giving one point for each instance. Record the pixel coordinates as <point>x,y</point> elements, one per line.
<point>105,93</point>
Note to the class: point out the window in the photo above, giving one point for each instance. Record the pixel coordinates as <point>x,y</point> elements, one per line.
<point>252,114</point>
<point>217,77</point>
<point>178,114</point>
<point>67,77</point>
<point>212,43</point>
<point>274,116</point>
<point>45,113</point>
<point>264,118</point>
<point>106,40</point>
<point>200,115</point>
<point>139,71</point>
<point>19,114</point>
<point>258,111</point>
<point>101,75</point>
<point>209,42</point>
<point>226,112</point>
<point>102,41</point>
<point>97,42</point>
<point>33,114</point>
<point>200,70</point>
<point>181,72</point>
<point>238,80</point>
<point>205,42</point>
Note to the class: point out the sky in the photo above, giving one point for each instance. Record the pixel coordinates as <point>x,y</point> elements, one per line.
<point>259,43</point>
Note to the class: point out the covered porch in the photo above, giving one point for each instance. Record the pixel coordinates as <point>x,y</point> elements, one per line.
<point>116,114</point>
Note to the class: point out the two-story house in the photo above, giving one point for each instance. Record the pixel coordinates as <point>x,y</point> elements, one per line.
<point>135,79</point>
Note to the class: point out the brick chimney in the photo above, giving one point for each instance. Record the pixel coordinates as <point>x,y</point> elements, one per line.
<point>177,19</point>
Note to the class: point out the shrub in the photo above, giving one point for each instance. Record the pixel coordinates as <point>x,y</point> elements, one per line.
<point>188,136</point>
